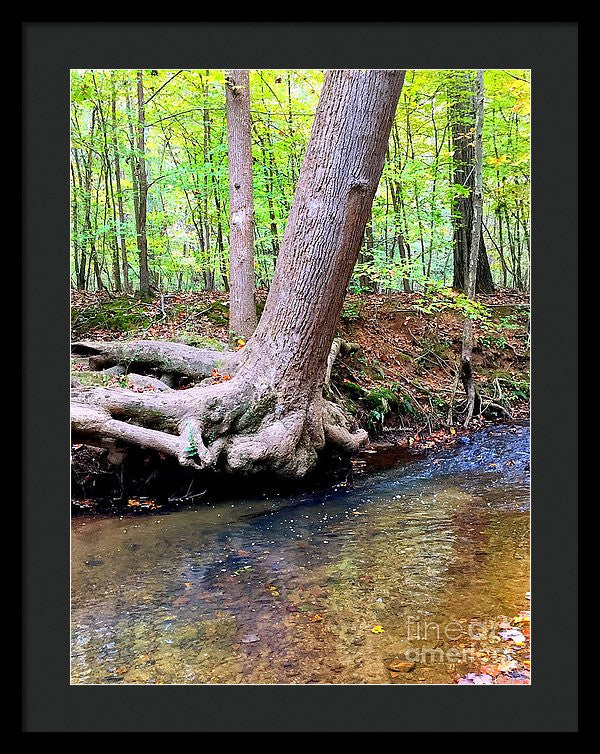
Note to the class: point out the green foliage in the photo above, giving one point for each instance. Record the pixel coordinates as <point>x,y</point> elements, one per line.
<point>191,447</point>
<point>489,341</point>
<point>437,298</point>
<point>351,312</point>
<point>410,236</point>
<point>379,402</point>
<point>513,389</point>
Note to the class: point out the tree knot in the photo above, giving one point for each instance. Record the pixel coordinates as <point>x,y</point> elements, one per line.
<point>359,184</point>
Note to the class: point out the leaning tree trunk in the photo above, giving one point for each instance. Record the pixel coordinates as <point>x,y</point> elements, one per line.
<point>267,412</point>
<point>466,367</point>
<point>462,114</point>
<point>242,305</point>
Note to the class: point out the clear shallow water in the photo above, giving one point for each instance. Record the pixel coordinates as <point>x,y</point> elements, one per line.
<point>288,590</point>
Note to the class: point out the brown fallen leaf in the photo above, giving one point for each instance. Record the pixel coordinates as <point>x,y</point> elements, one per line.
<point>401,666</point>
<point>493,670</point>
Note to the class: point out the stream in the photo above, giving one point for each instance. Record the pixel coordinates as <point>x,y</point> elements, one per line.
<point>417,563</point>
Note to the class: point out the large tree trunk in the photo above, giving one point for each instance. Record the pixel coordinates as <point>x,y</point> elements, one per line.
<point>270,415</point>
<point>462,114</point>
<point>242,305</point>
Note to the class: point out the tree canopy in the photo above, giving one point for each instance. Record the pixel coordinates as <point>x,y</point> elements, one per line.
<point>408,242</point>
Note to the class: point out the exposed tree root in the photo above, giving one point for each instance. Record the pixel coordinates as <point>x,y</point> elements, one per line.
<point>243,425</point>
<point>157,356</point>
<point>338,346</point>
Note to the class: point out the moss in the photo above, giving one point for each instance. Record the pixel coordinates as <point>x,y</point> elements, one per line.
<point>499,374</point>
<point>156,419</point>
<point>380,397</point>
<point>118,315</point>
<point>218,313</point>
<point>251,418</point>
<point>406,406</point>
<point>380,403</point>
<point>91,378</point>
<point>352,389</point>
<point>199,341</point>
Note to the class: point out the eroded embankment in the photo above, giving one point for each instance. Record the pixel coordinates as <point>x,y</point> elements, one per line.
<point>398,379</point>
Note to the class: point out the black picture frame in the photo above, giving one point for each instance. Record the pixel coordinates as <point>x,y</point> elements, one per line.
<point>50,49</point>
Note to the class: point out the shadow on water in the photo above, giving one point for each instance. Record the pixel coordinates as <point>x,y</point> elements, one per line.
<point>288,590</point>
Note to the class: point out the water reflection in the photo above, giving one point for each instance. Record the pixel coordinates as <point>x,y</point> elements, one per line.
<point>289,590</point>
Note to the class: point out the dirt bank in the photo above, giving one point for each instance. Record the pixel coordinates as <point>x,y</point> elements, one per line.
<point>398,379</point>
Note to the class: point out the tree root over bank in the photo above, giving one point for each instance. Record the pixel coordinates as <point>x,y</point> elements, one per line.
<point>157,357</point>
<point>250,422</point>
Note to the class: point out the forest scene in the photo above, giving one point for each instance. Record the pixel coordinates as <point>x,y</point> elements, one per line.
<point>300,370</point>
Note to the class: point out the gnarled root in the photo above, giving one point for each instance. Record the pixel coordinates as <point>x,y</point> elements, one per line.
<point>157,356</point>
<point>98,426</point>
<point>235,426</point>
<point>245,424</point>
<point>338,430</point>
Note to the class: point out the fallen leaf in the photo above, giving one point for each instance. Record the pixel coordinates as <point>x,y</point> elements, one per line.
<point>475,679</point>
<point>401,666</point>
<point>492,670</point>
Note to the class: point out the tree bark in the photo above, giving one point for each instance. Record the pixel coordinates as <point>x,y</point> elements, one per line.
<point>462,126</point>
<point>242,304</point>
<point>270,413</point>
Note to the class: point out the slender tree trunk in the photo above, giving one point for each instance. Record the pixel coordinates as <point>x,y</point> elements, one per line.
<point>270,191</point>
<point>242,305</point>
<point>81,275</point>
<point>110,199</point>
<point>365,256</point>
<point>142,181</point>
<point>462,126</point>
<point>271,414</point>
<point>74,223</point>
<point>87,222</point>
<point>466,367</point>
<point>117,164</point>
<point>396,194</point>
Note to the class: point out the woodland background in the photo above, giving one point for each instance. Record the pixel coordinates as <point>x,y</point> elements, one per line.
<point>168,180</point>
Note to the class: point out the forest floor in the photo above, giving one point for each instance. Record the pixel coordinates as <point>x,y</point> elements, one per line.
<point>401,380</point>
